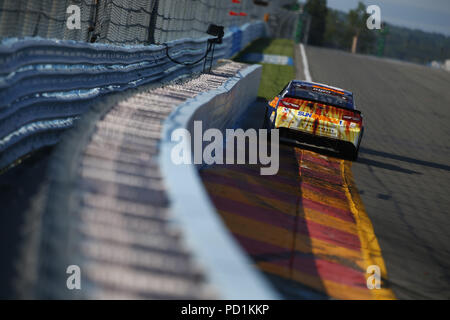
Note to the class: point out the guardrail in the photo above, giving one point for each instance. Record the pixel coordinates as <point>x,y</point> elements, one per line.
<point>45,85</point>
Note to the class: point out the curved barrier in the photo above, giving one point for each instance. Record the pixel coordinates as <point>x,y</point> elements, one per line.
<point>220,108</point>
<point>45,85</point>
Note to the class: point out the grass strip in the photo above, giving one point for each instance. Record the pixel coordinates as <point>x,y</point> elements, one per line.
<point>274,76</point>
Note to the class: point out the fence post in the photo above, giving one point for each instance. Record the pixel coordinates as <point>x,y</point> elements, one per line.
<point>152,25</point>
<point>298,32</point>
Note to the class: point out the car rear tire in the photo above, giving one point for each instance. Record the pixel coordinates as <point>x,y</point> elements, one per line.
<point>354,154</point>
<point>265,124</point>
<point>349,152</point>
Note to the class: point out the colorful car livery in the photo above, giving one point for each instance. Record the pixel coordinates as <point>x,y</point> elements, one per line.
<point>305,110</point>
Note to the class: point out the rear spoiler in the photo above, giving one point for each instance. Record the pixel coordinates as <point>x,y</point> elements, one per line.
<point>333,105</point>
<point>354,110</point>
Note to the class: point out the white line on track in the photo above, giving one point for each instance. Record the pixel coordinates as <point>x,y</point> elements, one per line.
<point>305,63</point>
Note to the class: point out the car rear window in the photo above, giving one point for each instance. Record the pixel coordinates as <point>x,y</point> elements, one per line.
<point>320,94</point>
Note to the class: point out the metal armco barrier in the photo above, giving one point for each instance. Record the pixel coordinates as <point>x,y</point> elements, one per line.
<point>45,85</point>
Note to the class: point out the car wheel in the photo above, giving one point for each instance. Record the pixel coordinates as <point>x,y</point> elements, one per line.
<point>265,124</point>
<point>356,150</point>
<point>354,154</point>
<point>349,152</point>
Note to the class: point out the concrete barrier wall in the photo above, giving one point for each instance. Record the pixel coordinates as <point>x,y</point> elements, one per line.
<point>229,266</point>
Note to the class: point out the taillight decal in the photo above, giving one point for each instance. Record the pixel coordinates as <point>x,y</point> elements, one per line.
<point>288,104</point>
<point>354,118</point>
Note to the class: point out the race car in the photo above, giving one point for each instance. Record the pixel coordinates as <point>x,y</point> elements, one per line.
<point>316,113</point>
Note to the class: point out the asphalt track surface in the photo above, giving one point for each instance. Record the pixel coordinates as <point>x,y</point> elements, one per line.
<point>403,173</point>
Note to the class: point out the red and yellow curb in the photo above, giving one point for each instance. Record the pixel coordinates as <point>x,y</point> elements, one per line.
<point>306,224</point>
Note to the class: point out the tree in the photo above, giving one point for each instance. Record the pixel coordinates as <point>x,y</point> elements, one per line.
<point>337,33</point>
<point>317,9</point>
<point>363,38</point>
<point>395,42</point>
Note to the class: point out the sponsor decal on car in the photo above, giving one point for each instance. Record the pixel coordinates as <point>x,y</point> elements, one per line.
<point>304,114</point>
<point>318,119</point>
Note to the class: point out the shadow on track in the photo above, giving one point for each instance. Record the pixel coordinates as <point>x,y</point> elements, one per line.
<point>18,185</point>
<point>404,159</point>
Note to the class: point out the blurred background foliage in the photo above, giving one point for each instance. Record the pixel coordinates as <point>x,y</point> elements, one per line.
<point>336,29</point>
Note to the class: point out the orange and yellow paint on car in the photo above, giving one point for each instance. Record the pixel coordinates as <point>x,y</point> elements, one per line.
<point>305,225</point>
<point>317,119</point>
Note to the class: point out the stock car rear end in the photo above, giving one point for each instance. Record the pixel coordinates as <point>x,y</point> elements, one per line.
<point>317,113</point>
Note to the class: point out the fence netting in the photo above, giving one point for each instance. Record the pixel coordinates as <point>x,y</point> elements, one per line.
<point>127,21</point>
<point>44,18</point>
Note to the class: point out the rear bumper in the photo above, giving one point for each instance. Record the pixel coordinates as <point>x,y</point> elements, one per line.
<point>305,126</point>
<point>310,138</point>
